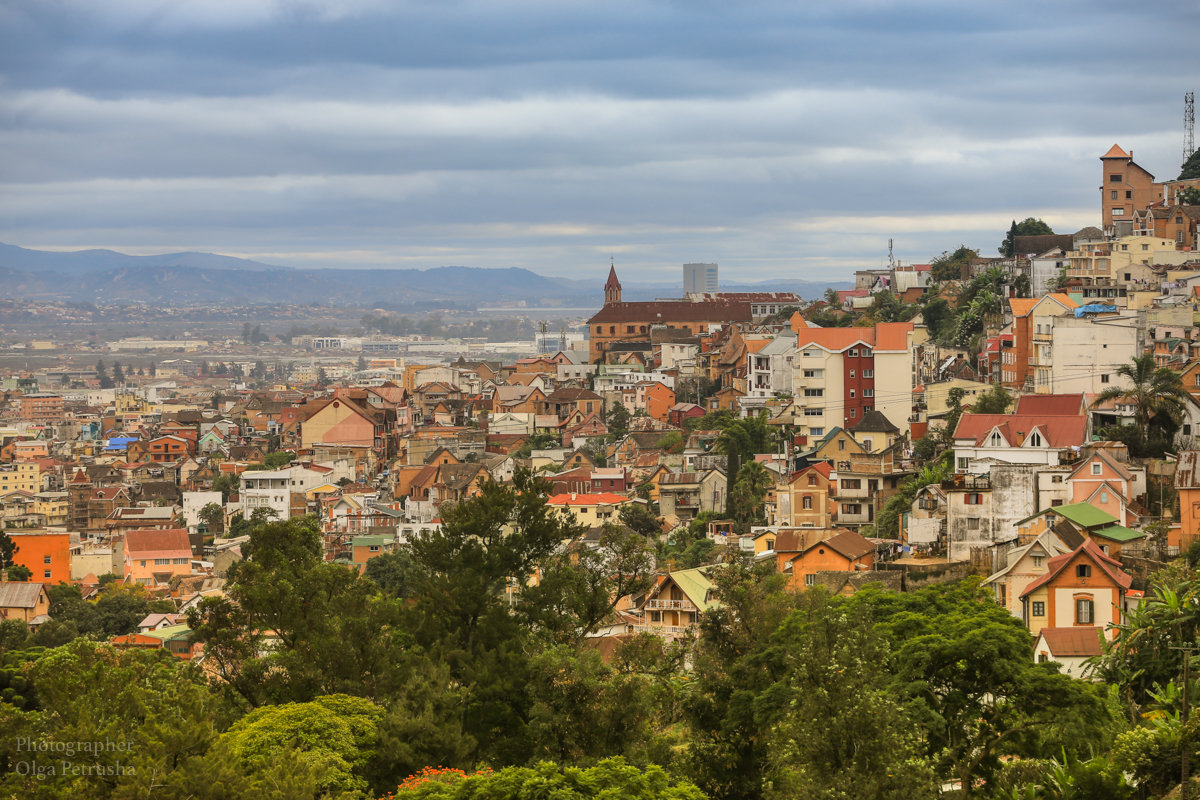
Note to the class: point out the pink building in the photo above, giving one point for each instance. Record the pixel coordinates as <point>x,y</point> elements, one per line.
<point>153,557</point>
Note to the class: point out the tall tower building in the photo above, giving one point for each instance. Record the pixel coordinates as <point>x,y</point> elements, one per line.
<point>698,278</point>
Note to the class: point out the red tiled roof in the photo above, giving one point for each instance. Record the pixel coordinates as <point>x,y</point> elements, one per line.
<point>1073,642</point>
<point>148,542</point>
<point>674,311</point>
<point>835,339</point>
<point>1115,152</point>
<point>1057,431</point>
<point>602,498</point>
<point>892,335</point>
<point>1111,567</point>
<point>1050,405</point>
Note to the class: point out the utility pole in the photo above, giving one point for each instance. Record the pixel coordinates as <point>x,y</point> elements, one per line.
<point>1185,778</point>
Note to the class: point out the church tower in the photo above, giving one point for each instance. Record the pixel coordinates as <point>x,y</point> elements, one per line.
<point>612,289</point>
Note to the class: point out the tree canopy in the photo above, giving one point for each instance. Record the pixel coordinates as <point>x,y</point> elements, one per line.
<point>1027,227</point>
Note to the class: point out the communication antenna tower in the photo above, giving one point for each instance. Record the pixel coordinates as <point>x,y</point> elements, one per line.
<point>562,339</point>
<point>541,340</point>
<point>1189,126</point>
<point>891,259</point>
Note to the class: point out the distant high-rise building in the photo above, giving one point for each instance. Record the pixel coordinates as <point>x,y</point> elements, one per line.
<point>698,278</point>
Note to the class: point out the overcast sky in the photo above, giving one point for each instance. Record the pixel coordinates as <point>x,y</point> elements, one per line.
<point>787,139</point>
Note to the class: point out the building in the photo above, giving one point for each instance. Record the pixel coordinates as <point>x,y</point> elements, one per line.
<point>589,510</point>
<point>1070,648</point>
<point>699,278</point>
<point>27,602</point>
<point>1125,187</point>
<point>41,406</point>
<point>1082,588</point>
<point>46,555</point>
<point>838,370</point>
<point>153,557</point>
<point>621,322</point>
<point>801,554</point>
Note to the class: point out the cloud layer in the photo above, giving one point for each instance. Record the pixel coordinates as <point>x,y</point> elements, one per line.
<point>778,139</point>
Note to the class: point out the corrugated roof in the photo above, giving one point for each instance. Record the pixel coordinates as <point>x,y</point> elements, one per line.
<point>695,584</point>
<point>1073,642</point>
<point>1119,533</point>
<point>18,594</point>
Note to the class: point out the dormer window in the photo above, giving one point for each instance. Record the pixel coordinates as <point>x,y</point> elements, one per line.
<point>997,440</point>
<point>1035,440</point>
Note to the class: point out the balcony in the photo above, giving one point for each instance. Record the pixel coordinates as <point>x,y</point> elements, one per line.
<point>670,605</point>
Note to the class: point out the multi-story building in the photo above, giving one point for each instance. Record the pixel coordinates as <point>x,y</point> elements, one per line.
<point>41,406</point>
<point>1073,354</point>
<point>274,488</point>
<point>1016,368</point>
<point>699,278</point>
<point>837,370</point>
<point>1126,186</point>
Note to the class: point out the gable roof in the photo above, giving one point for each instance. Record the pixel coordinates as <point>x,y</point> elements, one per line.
<point>18,594</point>
<point>1050,405</point>
<point>1111,567</point>
<point>1057,431</point>
<point>1072,642</point>
<point>874,421</point>
<point>696,585</point>
<point>171,540</point>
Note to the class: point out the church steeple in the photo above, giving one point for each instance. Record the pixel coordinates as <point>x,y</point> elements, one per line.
<point>612,289</point>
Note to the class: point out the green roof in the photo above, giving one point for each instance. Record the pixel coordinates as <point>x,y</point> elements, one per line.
<point>696,585</point>
<point>169,632</point>
<point>1084,515</point>
<point>371,541</point>
<point>1118,533</point>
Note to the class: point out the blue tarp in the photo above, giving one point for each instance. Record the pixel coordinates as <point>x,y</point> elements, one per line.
<point>119,444</point>
<point>1095,308</point>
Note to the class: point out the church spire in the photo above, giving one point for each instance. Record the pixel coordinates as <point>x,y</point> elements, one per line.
<point>612,289</point>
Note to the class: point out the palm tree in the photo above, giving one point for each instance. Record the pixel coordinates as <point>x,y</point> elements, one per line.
<point>1156,393</point>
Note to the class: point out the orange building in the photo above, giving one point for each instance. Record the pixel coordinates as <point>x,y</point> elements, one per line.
<point>801,554</point>
<point>1187,482</point>
<point>155,556</point>
<point>658,400</point>
<point>47,555</point>
<point>1126,187</point>
<point>42,406</point>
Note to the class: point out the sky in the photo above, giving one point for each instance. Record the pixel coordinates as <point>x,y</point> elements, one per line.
<point>782,140</point>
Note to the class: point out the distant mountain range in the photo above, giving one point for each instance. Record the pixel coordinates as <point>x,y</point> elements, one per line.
<point>190,278</point>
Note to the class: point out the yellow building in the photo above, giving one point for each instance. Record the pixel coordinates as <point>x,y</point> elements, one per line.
<point>21,476</point>
<point>590,510</point>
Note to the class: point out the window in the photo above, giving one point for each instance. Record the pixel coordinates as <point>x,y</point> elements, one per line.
<point>1037,560</point>
<point>851,394</point>
<point>1083,570</point>
<point>181,560</point>
<point>1128,194</point>
<point>851,373</point>
<point>1104,497</point>
<point>1145,247</point>
<point>1114,178</point>
<point>1118,212</point>
<point>996,440</point>
<point>812,412</point>
<point>852,352</point>
<point>868,373</point>
<point>45,573</point>
<point>816,431</point>
<point>1039,608</point>
<point>814,392</point>
<point>160,561</point>
<point>45,559</point>
<point>868,392</point>
<point>1056,478</point>
<point>851,483</point>
<point>972,523</point>
<point>841,444</point>
<point>867,444</point>
<point>656,616</point>
<point>1035,440</point>
<point>1114,194</point>
<point>973,498</point>
<point>1084,611</point>
<point>1104,378</point>
<point>1096,468</point>
<point>853,413</point>
<point>807,504</point>
<point>812,480</point>
<point>852,508</point>
<point>962,464</point>
<point>810,580</point>
<point>1043,658</point>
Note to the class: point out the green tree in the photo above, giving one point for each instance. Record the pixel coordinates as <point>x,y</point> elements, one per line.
<point>962,664</point>
<point>994,401</point>
<point>213,517</point>
<point>225,483</point>
<point>954,400</point>
<point>1191,195</point>
<point>618,419</point>
<point>640,519</point>
<point>749,492</point>
<point>8,549</point>
<point>19,573</point>
<point>1027,227</point>
<point>611,778</point>
<point>1159,400</point>
<point>118,374</point>
<point>392,572</point>
<point>949,266</point>
<point>1190,168</point>
<point>335,735</point>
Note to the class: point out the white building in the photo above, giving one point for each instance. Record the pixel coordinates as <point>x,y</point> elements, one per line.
<point>699,278</point>
<point>274,488</point>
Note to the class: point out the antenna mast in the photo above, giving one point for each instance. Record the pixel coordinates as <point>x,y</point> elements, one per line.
<point>1189,126</point>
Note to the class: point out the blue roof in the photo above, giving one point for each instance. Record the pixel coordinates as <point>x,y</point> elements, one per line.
<point>120,443</point>
<point>1095,308</point>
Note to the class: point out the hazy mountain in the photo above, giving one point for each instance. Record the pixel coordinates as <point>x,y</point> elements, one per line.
<point>185,278</point>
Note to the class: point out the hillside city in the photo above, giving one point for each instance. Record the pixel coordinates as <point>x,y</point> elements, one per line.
<point>937,534</point>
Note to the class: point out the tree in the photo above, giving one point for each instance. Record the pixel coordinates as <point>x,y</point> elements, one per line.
<point>749,493</point>
<point>1191,195</point>
<point>360,364</point>
<point>611,778</point>
<point>949,266</point>
<point>1159,401</point>
<point>8,549</point>
<point>1028,227</point>
<point>19,573</point>
<point>994,401</point>
<point>213,517</point>
<point>1190,168</point>
<point>961,663</point>
<point>392,572</point>
<point>618,419</point>
<point>102,375</point>
<point>954,400</point>
<point>832,297</point>
<point>640,519</point>
<point>118,374</point>
<point>225,483</point>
